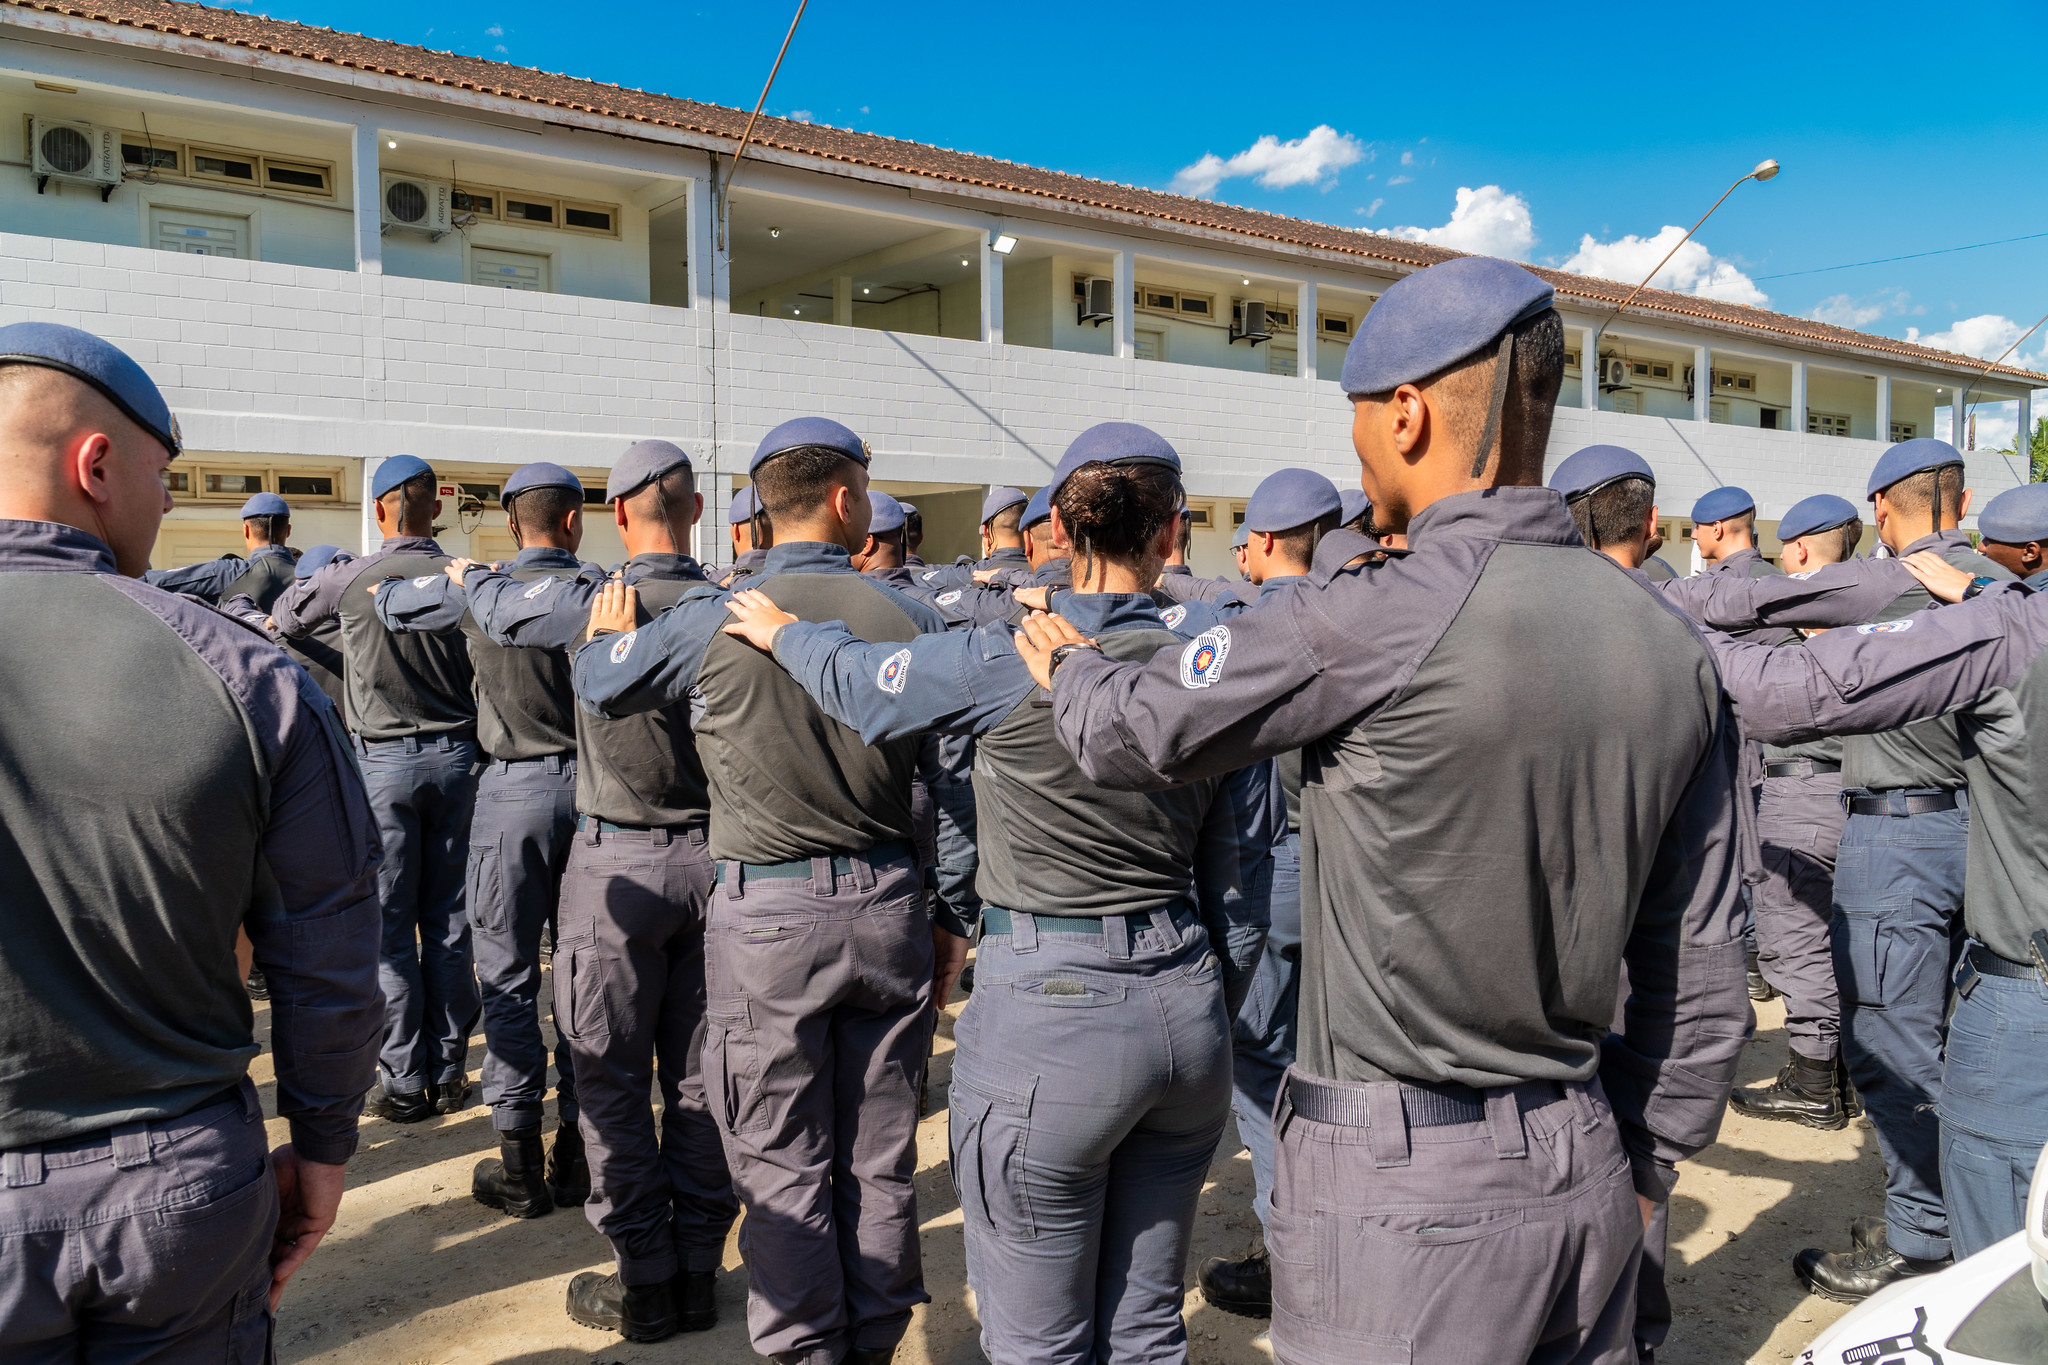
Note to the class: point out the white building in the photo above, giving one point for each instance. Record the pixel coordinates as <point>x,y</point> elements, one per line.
<point>330,249</point>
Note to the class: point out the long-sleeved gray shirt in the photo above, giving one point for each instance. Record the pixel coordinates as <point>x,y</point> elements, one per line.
<point>264,575</point>
<point>171,778</point>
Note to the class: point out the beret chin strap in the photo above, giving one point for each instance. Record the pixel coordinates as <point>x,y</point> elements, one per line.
<point>1503,360</point>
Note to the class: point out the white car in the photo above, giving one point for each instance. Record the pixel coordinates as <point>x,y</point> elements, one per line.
<point>1989,1310</point>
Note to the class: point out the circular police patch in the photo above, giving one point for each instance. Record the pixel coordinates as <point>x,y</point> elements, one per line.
<point>424,579</point>
<point>947,599</point>
<point>1201,663</point>
<point>1173,616</point>
<point>540,586</point>
<point>623,646</point>
<point>1886,627</point>
<point>894,672</point>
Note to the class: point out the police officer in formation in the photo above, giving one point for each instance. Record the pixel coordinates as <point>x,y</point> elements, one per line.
<point>212,795</point>
<point>744,525</point>
<point>2014,530</point>
<point>520,834</point>
<point>1002,543</point>
<point>413,712</point>
<point>265,573</point>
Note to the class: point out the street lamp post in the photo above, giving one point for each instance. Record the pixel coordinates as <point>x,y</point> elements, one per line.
<point>1765,170</point>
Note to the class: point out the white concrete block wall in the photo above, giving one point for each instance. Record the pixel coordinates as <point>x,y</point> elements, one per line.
<point>267,358</point>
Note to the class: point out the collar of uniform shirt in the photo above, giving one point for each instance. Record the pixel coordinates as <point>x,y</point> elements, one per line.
<point>1279,581</point>
<point>663,564</point>
<point>1094,612</point>
<point>1939,541</point>
<point>407,545</point>
<point>1737,562</point>
<point>545,557</point>
<point>51,547</point>
<point>263,550</point>
<point>807,556</point>
<point>1533,515</point>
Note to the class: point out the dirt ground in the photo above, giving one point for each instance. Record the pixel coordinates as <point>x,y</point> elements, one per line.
<point>418,1273</point>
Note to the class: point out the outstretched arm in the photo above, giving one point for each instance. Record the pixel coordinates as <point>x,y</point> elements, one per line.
<point>429,603</point>
<point>1844,594</point>
<point>626,669</point>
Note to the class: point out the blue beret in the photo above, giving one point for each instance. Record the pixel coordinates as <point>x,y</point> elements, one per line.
<point>910,509</point>
<point>798,432</point>
<point>1289,498</point>
<point>1821,512</point>
<point>1587,471</point>
<point>266,505</point>
<point>1036,510</point>
<point>886,514</point>
<point>2016,516</point>
<point>1908,458</point>
<point>1352,504</point>
<point>318,558</point>
<point>642,464</point>
<point>744,505</point>
<point>1112,443</point>
<point>1722,504</point>
<point>1243,536</point>
<point>540,474</point>
<point>101,364</point>
<point>1000,500</point>
<point>1434,318</point>
<point>397,470</point>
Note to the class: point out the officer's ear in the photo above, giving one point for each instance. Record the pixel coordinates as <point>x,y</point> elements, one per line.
<point>1963,507</point>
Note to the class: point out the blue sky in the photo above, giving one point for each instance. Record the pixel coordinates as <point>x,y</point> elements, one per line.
<point>1573,128</point>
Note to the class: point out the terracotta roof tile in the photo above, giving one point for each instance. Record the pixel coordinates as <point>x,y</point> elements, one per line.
<point>502,79</point>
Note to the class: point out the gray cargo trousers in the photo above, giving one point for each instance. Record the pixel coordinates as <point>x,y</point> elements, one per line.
<point>1799,823</point>
<point>818,1025</point>
<point>1451,1226</point>
<point>148,1242</point>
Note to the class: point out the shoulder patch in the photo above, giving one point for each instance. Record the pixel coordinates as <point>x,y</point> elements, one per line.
<point>929,575</point>
<point>1886,627</point>
<point>894,672</point>
<point>623,646</point>
<point>1174,615</point>
<point>540,585</point>
<point>1201,663</point>
<point>424,579</point>
<point>947,599</point>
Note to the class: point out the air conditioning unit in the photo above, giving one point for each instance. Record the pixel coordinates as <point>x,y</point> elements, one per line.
<point>418,205</point>
<point>1098,301</point>
<point>1613,373</point>
<point>1248,322</point>
<point>80,152</point>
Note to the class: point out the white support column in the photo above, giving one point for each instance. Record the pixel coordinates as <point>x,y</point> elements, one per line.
<point>1589,370</point>
<point>1702,384</point>
<point>2023,443</point>
<point>1884,407</point>
<point>1305,332</point>
<point>1958,409</point>
<point>1797,415</point>
<point>373,539</point>
<point>1124,280</point>
<point>709,268</point>
<point>842,300</point>
<point>368,199</point>
<point>991,293</point>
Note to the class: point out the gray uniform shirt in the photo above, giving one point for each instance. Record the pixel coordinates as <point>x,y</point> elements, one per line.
<point>171,778</point>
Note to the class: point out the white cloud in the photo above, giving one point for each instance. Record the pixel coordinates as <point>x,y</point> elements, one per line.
<point>1984,336</point>
<point>1407,158</point>
<point>1693,270</point>
<point>1276,165</point>
<point>800,115</point>
<point>496,30</point>
<point>500,48</point>
<point>1400,180</point>
<point>1372,208</point>
<point>1488,220</point>
<point>1849,310</point>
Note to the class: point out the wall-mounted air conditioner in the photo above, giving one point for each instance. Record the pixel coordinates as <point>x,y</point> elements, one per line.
<point>1098,301</point>
<point>80,152</point>
<point>1248,322</point>
<point>418,205</point>
<point>1613,373</point>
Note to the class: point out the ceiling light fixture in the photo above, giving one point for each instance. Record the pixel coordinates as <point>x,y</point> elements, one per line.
<point>866,290</point>
<point>1004,244</point>
<point>774,232</point>
<point>965,261</point>
<point>392,144</point>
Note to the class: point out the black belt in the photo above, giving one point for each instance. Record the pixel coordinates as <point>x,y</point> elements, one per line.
<point>1916,803</point>
<point>996,920</point>
<point>1800,767</point>
<point>1989,963</point>
<point>800,868</point>
<point>1424,1106</point>
<point>583,823</point>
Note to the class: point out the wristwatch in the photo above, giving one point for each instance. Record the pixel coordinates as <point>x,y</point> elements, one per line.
<point>1977,585</point>
<point>1060,653</point>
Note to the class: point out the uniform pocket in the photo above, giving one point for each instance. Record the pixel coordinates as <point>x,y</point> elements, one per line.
<point>1067,992</point>
<point>1302,1342</point>
<point>1878,953</point>
<point>486,889</point>
<point>989,1131</point>
<point>732,1064</point>
<point>579,995</point>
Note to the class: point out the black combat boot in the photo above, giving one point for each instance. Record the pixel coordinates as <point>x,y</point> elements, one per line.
<point>257,985</point>
<point>1803,1093</point>
<point>511,1181</point>
<point>398,1108</point>
<point>1866,1230</point>
<point>639,1312</point>
<point>451,1097</point>
<point>1759,989</point>
<point>696,1304</point>
<point>1243,1287</point>
<point>568,1172</point>
<point>870,1355</point>
<point>1852,1103</point>
<point>1853,1276</point>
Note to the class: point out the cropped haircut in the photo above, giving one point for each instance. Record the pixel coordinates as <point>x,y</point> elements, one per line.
<point>1298,543</point>
<point>1464,392</point>
<point>913,526</point>
<point>796,483</point>
<point>1614,514</point>
<point>412,501</point>
<point>271,529</point>
<point>1007,519</point>
<point>541,511</point>
<point>1838,543</point>
<point>672,490</point>
<point>1914,494</point>
<point>1116,511</point>
<point>895,537</point>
